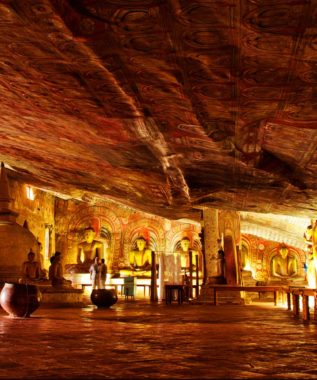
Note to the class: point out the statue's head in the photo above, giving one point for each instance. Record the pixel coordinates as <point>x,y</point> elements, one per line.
<point>141,243</point>
<point>58,256</point>
<point>89,234</point>
<point>283,251</point>
<point>185,243</point>
<point>31,256</point>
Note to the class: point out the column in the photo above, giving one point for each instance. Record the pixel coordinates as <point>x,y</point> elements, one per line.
<point>210,224</point>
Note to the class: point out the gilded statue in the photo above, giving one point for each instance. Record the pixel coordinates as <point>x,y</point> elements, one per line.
<point>284,265</point>
<point>312,258</point>
<point>89,248</point>
<point>184,253</point>
<point>140,258</point>
<point>87,251</point>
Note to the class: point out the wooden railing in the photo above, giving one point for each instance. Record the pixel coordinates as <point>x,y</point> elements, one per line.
<point>293,296</point>
<point>254,289</point>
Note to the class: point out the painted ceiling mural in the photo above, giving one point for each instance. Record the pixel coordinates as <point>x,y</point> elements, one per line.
<point>165,106</point>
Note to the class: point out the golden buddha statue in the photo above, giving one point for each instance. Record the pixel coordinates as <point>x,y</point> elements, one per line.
<point>87,250</point>
<point>140,260</point>
<point>284,266</point>
<point>184,253</point>
<point>185,256</point>
<point>311,255</point>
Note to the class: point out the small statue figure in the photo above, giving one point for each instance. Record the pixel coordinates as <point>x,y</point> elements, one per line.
<point>31,270</point>
<point>56,272</point>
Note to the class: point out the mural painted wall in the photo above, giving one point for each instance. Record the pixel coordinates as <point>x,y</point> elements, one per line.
<point>118,227</point>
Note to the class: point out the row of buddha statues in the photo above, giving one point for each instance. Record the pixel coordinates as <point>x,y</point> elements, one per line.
<point>284,266</point>
<point>140,257</point>
<point>140,261</point>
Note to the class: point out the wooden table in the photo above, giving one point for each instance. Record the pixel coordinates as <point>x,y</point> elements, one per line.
<point>169,290</point>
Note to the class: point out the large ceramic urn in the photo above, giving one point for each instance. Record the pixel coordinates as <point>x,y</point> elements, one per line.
<point>20,300</point>
<point>103,297</point>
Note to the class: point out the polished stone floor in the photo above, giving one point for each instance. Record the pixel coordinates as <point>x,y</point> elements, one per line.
<point>138,340</point>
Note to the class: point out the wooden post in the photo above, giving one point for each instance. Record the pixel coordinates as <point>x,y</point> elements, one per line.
<point>197,275</point>
<point>202,241</point>
<point>190,292</point>
<point>306,315</point>
<point>289,305</point>
<point>295,299</point>
<point>153,296</point>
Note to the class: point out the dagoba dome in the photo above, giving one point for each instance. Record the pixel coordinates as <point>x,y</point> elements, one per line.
<point>15,241</point>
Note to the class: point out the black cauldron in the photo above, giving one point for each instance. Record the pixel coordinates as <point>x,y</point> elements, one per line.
<point>103,297</point>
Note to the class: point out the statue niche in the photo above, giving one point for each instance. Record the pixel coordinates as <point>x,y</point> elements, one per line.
<point>87,251</point>
<point>284,267</point>
<point>187,259</point>
<point>140,260</point>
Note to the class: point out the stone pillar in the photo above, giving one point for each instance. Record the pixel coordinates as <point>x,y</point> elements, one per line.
<point>210,218</point>
<point>229,227</point>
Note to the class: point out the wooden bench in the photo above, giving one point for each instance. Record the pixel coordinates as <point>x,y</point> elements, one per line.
<point>293,301</point>
<point>259,289</point>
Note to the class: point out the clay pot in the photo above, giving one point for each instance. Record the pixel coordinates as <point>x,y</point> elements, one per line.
<point>20,300</point>
<point>103,297</point>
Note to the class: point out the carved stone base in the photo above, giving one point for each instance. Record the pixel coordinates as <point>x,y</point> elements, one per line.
<point>63,297</point>
<point>216,280</point>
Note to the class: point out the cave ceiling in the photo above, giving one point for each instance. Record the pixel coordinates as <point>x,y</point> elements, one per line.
<point>165,106</point>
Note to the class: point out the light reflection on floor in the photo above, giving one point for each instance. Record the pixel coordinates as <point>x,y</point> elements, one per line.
<point>137,339</point>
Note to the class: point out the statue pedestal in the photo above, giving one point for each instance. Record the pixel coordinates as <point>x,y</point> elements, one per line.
<point>63,297</point>
<point>289,281</point>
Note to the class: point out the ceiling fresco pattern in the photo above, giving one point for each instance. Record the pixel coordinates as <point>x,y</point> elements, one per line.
<point>166,106</point>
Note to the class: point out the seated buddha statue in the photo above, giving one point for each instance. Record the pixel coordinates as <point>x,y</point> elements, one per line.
<point>284,267</point>
<point>32,272</point>
<point>56,272</point>
<point>184,253</point>
<point>184,256</point>
<point>87,250</point>
<point>140,260</point>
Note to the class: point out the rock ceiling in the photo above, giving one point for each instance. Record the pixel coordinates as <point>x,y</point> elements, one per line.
<point>166,106</point>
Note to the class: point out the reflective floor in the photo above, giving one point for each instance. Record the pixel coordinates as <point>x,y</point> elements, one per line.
<point>137,340</point>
